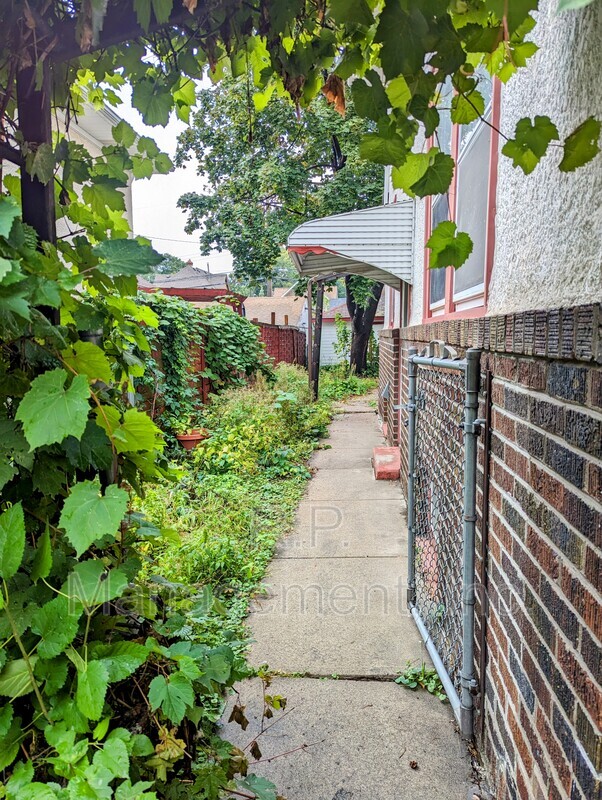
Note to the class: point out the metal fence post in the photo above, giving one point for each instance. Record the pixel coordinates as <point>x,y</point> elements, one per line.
<point>471,431</point>
<point>411,409</point>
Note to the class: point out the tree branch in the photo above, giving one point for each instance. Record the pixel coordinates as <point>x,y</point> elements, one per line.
<point>11,154</point>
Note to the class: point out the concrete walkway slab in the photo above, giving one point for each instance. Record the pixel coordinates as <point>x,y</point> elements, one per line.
<point>355,458</point>
<point>335,616</point>
<point>351,484</point>
<point>329,528</point>
<point>362,738</point>
<point>335,605</point>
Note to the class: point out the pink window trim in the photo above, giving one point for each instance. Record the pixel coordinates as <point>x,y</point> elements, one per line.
<point>449,311</point>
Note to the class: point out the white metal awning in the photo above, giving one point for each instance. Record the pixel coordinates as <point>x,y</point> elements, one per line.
<point>374,242</point>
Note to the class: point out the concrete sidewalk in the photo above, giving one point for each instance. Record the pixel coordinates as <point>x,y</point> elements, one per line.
<point>335,612</point>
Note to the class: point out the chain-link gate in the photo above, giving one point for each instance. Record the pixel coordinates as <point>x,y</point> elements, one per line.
<point>442,430</point>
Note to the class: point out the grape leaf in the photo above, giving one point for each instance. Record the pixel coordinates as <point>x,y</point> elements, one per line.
<point>15,679</point>
<point>370,99</point>
<point>136,433</point>
<point>92,584</point>
<point>530,143</point>
<point>355,12</point>
<point>172,695</point>
<point>467,107</point>
<point>6,718</point>
<point>383,149</point>
<point>92,682</point>
<point>121,658</point>
<point>582,145</point>
<point>103,195</point>
<point>7,472</point>
<point>12,541</point>
<point>398,92</point>
<point>42,562</point>
<point>124,134</point>
<point>40,163</point>
<point>9,211</point>
<point>262,788</point>
<point>49,412</point>
<point>87,516</point>
<point>402,35</point>
<point>125,257</point>
<point>56,623</point>
<point>437,177</point>
<point>448,248</point>
<point>114,757</point>
<point>88,359</point>
<point>10,745</point>
<point>153,100</point>
<point>413,168</point>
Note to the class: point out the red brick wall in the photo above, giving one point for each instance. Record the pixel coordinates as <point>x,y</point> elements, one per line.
<point>388,374</point>
<point>542,703</point>
<point>283,343</point>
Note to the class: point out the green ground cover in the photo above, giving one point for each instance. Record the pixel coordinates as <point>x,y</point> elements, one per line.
<point>238,491</point>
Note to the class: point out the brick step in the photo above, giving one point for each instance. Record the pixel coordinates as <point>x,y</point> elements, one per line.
<point>387,463</point>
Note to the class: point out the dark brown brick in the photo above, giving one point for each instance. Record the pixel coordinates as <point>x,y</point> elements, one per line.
<point>548,416</point>
<point>567,335</point>
<point>567,382</point>
<point>583,517</point>
<point>559,610</point>
<point>542,553</point>
<point>590,650</point>
<point>522,681</point>
<point>504,424</point>
<point>565,539</point>
<point>516,402</point>
<point>595,395</point>
<point>593,568</point>
<point>590,737</point>
<point>567,463</point>
<point>584,431</point>
<point>531,440</point>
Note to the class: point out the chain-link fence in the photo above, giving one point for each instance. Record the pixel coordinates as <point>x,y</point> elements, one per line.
<point>442,429</point>
<point>438,493</point>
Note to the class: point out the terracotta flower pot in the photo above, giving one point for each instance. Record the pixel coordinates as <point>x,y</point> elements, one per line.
<point>190,440</point>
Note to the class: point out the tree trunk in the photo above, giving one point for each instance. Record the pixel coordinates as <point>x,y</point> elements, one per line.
<point>317,341</point>
<point>362,320</point>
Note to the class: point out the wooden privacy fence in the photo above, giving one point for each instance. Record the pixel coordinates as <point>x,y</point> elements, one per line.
<point>283,343</point>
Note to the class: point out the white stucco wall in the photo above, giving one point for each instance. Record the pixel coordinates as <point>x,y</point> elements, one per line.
<point>549,224</point>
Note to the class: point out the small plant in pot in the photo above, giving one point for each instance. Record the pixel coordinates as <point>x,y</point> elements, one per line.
<point>189,431</point>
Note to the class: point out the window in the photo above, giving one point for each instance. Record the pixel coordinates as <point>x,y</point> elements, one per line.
<point>470,203</point>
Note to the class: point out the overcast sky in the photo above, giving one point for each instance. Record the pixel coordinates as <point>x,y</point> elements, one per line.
<point>156,214</point>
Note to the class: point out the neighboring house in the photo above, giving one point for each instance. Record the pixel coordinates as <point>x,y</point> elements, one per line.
<point>283,308</point>
<point>529,299</point>
<point>338,307</point>
<point>197,286</point>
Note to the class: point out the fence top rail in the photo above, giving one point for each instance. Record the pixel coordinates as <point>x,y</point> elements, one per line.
<point>440,363</point>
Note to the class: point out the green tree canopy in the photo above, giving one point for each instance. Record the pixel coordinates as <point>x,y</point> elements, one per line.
<point>266,171</point>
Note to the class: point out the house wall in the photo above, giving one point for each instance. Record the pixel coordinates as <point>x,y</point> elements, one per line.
<point>328,355</point>
<point>548,225</point>
<point>541,695</point>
